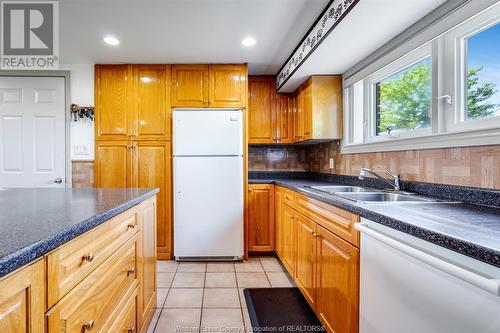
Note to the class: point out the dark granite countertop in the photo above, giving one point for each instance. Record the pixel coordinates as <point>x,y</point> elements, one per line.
<point>36,221</point>
<point>472,230</point>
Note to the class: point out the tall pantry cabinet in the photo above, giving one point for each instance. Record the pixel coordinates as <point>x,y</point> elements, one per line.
<point>133,137</point>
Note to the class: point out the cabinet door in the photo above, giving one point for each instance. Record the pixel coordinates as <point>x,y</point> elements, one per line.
<point>152,168</point>
<point>261,218</point>
<point>151,96</point>
<point>307,117</point>
<point>299,116</point>
<point>190,85</point>
<point>146,262</point>
<point>113,164</point>
<point>288,239</point>
<point>261,110</point>
<point>112,94</point>
<point>278,204</point>
<point>305,269</point>
<point>22,303</point>
<point>284,116</point>
<point>228,86</point>
<point>337,283</point>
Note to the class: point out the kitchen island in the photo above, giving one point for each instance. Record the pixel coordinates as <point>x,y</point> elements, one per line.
<point>77,259</point>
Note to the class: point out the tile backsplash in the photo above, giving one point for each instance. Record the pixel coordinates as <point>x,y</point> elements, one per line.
<point>467,166</point>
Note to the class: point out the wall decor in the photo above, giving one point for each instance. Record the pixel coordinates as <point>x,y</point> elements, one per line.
<point>80,112</point>
<point>332,15</point>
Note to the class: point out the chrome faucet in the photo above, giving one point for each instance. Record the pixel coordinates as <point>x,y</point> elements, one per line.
<point>396,177</point>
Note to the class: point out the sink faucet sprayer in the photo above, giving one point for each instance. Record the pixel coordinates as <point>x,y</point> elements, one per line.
<point>396,177</point>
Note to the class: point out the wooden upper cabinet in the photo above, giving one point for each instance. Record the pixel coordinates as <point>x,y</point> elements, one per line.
<point>151,97</point>
<point>112,104</point>
<point>132,102</point>
<point>113,164</point>
<point>152,168</point>
<point>285,107</point>
<point>215,86</point>
<point>228,86</point>
<point>261,218</point>
<point>319,109</point>
<point>22,300</point>
<point>261,110</point>
<point>190,85</point>
<point>338,283</point>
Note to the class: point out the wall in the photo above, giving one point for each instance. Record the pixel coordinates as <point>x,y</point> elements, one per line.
<point>278,158</point>
<point>469,166</point>
<point>82,93</point>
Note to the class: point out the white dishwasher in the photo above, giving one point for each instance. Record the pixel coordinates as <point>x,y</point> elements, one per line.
<point>412,286</point>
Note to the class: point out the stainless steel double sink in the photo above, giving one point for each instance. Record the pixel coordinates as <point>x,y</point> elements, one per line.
<point>369,195</point>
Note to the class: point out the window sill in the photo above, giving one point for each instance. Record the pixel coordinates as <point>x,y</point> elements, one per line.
<point>448,140</point>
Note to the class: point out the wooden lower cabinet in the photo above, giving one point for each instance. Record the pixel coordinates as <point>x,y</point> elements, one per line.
<point>112,289</point>
<point>93,302</point>
<point>305,267</point>
<point>146,263</point>
<point>261,218</point>
<point>323,265</point>
<point>152,165</point>
<point>278,204</point>
<point>144,164</point>
<point>337,283</point>
<point>113,164</point>
<point>22,300</point>
<point>288,238</point>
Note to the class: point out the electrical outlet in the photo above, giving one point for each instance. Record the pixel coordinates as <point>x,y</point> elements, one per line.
<point>81,149</point>
<point>332,163</point>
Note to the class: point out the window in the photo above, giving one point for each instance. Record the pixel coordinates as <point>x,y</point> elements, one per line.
<point>443,93</point>
<point>403,100</point>
<point>483,74</point>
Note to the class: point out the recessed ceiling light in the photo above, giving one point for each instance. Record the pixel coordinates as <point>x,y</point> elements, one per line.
<point>248,41</point>
<point>110,40</point>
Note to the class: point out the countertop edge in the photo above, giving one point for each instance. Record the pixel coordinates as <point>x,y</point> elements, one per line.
<point>31,253</point>
<point>472,250</point>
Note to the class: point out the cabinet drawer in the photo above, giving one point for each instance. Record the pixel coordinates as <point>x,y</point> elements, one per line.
<point>289,196</point>
<point>124,320</point>
<point>95,299</point>
<point>72,262</point>
<point>338,221</point>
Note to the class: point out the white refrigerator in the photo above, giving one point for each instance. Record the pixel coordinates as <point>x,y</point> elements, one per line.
<point>208,184</point>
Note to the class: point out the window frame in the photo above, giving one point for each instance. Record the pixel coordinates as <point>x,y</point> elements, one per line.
<point>423,52</point>
<point>447,51</point>
<point>455,52</point>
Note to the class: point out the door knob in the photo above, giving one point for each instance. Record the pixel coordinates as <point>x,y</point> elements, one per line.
<point>58,180</point>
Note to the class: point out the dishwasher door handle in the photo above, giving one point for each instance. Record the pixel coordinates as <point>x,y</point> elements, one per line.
<point>489,284</point>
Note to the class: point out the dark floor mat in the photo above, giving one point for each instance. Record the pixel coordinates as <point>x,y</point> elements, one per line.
<point>280,310</point>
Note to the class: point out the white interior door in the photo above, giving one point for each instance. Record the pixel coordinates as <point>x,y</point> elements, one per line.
<point>32,132</point>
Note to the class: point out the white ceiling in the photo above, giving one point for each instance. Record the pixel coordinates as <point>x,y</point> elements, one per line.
<point>185,31</point>
<point>369,25</point>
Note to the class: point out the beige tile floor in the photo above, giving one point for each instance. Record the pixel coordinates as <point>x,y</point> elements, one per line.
<point>208,297</point>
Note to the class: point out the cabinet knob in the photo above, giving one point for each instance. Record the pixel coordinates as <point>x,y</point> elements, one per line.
<point>132,226</point>
<point>130,271</point>
<point>131,330</point>
<point>88,257</point>
<point>88,325</point>
<point>315,234</point>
